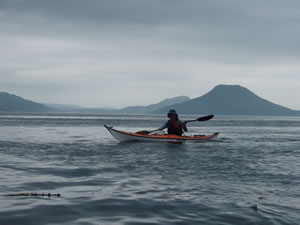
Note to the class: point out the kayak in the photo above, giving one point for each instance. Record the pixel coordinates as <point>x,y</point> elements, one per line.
<point>130,136</point>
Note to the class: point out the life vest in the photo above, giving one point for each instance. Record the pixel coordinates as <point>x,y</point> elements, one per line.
<point>173,128</point>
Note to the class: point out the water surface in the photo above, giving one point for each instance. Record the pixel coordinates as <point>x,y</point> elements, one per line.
<point>254,161</point>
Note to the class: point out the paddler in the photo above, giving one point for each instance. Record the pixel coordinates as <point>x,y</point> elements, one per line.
<point>174,125</point>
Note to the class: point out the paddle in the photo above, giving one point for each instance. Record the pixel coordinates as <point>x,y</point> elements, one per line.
<point>203,118</point>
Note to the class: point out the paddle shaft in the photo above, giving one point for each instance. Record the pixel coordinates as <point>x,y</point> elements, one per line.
<point>203,118</point>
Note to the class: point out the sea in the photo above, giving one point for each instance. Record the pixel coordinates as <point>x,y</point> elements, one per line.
<point>250,174</point>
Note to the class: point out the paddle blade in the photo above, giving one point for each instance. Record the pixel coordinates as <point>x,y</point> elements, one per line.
<point>205,118</point>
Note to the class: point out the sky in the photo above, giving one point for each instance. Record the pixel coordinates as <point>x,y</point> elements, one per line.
<point>117,53</point>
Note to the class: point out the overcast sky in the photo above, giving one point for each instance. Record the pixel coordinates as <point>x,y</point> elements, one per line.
<point>99,53</point>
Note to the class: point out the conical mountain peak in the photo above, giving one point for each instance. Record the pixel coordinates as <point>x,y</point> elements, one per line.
<point>231,100</point>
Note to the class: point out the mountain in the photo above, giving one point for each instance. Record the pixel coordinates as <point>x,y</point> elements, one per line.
<point>153,107</point>
<point>97,110</point>
<point>63,107</point>
<point>130,109</point>
<point>78,109</point>
<point>221,100</point>
<point>13,103</point>
<point>230,100</point>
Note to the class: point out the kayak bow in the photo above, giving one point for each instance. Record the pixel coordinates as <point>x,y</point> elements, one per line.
<point>130,136</point>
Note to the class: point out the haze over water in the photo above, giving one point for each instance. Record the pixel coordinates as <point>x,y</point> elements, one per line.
<point>254,161</point>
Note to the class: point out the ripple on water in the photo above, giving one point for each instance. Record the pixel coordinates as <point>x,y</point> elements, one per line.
<point>105,182</point>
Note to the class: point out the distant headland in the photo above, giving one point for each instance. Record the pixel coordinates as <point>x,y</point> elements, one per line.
<point>231,100</point>
<point>221,100</point>
<point>13,103</point>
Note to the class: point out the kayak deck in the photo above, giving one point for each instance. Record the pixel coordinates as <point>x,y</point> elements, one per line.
<point>130,136</point>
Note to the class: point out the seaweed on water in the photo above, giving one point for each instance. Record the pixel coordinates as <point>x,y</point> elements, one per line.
<point>28,194</point>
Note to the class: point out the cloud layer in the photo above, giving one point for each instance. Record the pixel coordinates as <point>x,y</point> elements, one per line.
<point>119,53</point>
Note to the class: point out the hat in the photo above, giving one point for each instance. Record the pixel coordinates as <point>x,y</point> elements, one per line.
<point>172,112</point>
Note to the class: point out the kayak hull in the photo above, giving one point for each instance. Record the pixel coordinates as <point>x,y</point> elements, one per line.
<point>130,136</point>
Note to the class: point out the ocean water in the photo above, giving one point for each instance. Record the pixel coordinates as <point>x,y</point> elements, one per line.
<point>255,161</point>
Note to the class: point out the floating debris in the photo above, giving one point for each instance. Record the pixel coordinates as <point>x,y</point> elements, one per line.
<point>255,207</point>
<point>34,194</point>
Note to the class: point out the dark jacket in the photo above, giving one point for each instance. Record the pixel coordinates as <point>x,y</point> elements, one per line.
<point>175,127</point>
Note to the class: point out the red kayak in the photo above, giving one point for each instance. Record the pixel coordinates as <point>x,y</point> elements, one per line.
<point>130,136</point>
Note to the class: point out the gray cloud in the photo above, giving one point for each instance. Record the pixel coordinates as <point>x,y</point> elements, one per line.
<point>158,48</point>
<point>248,28</point>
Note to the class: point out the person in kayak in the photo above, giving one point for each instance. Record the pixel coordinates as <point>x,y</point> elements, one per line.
<point>174,125</point>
